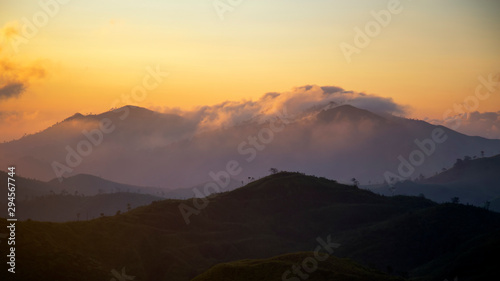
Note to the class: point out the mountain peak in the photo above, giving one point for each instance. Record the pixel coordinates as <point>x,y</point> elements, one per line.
<point>347,112</point>
<point>75,116</point>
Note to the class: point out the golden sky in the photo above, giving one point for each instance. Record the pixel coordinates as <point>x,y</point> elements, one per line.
<point>67,56</point>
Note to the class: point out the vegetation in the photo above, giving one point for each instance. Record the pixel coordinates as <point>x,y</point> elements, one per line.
<point>278,214</point>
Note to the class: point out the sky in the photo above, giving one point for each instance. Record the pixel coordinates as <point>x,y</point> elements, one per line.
<point>62,57</point>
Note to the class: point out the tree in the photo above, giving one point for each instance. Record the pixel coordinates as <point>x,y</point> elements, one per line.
<point>129,207</point>
<point>273,171</point>
<point>459,163</point>
<point>482,153</point>
<point>421,177</point>
<point>455,200</point>
<point>355,182</point>
<point>78,216</point>
<point>487,205</point>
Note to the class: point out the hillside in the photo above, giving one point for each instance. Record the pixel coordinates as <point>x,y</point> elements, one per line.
<point>279,214</point>
<point>92,185</point>
<point>474,181</point>
<point>64,208</point>
<point>80,197</point>
<point>274,268</point>
<point>482,171</point>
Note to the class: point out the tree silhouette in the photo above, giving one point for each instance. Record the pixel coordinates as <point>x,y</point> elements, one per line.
<point>459,163</point>
<point>455,200</point>
<point>482,153</point>
<point>487,205</point>
<point>355,182</point>
<point>273,171</point>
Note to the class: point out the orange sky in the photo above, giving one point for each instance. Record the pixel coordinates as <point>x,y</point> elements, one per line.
<point>82,56</point>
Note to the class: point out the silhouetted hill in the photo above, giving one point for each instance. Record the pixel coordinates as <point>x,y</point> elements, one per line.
<point>473,181</point>
<point>25,189</point>
<point>86,195</point>
<point>273,269</point>
<point>92,185</point>
<point>279,214</point>
<point>475,171</point>
<point>63,208</point>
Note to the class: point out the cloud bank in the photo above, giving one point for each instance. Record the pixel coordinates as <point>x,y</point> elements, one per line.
<point>486,124</point>
<point>296,103</point>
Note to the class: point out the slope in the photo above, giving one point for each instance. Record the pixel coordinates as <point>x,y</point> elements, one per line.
<point>279,214</point>
<point>274,268</point>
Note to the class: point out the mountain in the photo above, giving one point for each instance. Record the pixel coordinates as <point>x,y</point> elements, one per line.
<point>86,195</point>
<point>64,208</point>
<point>92,185</point>
<point>285,213</point>
<point>473,181</point>
<point>146,148</point>
<point>188,192</point>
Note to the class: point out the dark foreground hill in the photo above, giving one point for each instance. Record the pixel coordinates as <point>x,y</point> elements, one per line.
<point>275,268</point>
<point>279,214</point>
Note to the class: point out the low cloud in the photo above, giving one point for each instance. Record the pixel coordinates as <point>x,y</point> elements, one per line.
<point>298,103</point>
<point>485,124</point>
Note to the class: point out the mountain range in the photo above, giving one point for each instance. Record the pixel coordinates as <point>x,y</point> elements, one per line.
<point>171,151</point>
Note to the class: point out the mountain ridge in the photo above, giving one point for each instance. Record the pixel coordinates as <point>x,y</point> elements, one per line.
<point>235,226</point>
